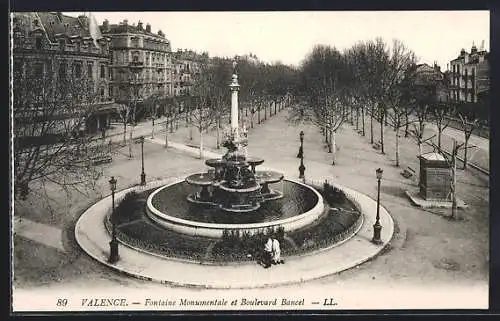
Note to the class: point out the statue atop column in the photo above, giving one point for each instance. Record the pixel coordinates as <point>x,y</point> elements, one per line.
<point>235,64</point>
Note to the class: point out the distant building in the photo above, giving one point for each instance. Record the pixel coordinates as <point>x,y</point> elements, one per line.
<point>149,52</point>
<point>50,44</point>
<point>434,79</point>
<point>469,76</point>
<point>186,65</point>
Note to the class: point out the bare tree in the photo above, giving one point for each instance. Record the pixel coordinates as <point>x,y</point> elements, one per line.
<point>400,102</point>
<point>152,104</point>
<point>418,131</point>
<point>204,92</point>
<point>322,84</point>
<point>451,159</point>
<point>395,65</point>
<point>469,122</point>
<point>123,112</point>
<point>440,118</point>
<point>50,111</point>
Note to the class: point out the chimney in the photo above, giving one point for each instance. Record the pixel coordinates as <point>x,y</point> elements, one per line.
<point>160,33</point>
<point>105,25</point>
<point>83,20</point>
<point>473,50</point>
<point>139,25</point>
<point>148,27</point>
<point>125,22</point>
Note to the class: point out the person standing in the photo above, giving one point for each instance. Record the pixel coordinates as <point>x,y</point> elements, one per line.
<point>276,252</point>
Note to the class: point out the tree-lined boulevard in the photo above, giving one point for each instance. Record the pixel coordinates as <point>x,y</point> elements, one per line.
<point>360,109</point>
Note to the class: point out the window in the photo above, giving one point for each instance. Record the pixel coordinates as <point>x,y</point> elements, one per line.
<point>77,70</point>
<point>110,92</point>
<point>103,71</point>
<point>62,70</point>
<point>62,44</point>
<point>38,43</point>
<point>90,70</point>
<point>17,69</point>
<point>38,70</point>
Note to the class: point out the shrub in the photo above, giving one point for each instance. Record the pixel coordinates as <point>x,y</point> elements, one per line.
<point>333,195</point>
<point>129,208</point>
<point>236,245</point>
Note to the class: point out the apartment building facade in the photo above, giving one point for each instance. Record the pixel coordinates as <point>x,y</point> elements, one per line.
<point>50,45</point>
<point>469,76</point>
<point>140,62</point>
<point>187,64</point>
<point>433,78</point>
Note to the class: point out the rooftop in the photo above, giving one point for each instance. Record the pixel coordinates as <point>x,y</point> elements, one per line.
<point>53,23</point>
<point>124,27</point>
<point>433,157</point>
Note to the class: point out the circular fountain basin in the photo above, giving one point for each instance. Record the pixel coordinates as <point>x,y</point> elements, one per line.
<point>254,161</point>
<point>240,189</point>
<point>209,223</point>
<point>268,176</point>
<point>201,179</point>
<point>215,162</point>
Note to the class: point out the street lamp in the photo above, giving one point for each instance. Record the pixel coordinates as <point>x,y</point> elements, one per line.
<point>143,174</point>
<point>301,148</point>
<point>377,227</point>
<point>113,245</point>
<point>302,168</point>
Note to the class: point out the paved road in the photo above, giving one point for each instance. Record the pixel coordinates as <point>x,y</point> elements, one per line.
<point>458,135</point>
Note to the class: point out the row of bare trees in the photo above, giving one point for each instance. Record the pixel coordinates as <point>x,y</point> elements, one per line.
<point>264,90</point>
<point>383,82</point>
<point>386,84</point>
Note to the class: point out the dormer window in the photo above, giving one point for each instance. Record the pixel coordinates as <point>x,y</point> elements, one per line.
<point>103,71</point>
<point>62,44</point>
<point>62,70</point>
<point>77,69</point>
<point>38,43</point>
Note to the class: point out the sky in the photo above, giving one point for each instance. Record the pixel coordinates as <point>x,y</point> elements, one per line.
<point>289,36</point>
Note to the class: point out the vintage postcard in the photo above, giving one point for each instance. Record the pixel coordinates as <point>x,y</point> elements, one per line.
<point>243,161</point>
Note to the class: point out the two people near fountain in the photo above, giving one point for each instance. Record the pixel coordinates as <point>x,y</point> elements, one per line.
<point>272,252</point>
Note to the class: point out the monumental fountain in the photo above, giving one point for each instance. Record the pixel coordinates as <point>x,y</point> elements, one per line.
<point>232,194</point>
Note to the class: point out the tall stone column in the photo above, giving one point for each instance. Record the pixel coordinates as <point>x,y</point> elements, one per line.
<point>234,103</point>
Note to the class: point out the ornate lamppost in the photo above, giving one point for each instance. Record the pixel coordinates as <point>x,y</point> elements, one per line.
<point>301,148</point>
<point>113,245</point>
<point>302,168</point>
<point>143,174</point>
<point>377,227</point>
